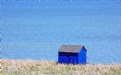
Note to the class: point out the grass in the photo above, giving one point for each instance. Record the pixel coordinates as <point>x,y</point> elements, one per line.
<point>44,67</point>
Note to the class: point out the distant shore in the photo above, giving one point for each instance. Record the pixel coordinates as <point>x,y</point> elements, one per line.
<point>44,67</point>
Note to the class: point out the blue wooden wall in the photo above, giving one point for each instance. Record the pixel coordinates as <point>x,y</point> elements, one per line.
<point>68,58</point>
<point>82,56</point>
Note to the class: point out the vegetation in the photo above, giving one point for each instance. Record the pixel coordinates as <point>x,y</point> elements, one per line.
<point>43,67</point>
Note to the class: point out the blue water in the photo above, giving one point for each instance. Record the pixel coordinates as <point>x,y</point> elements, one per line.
<point>36,29</point>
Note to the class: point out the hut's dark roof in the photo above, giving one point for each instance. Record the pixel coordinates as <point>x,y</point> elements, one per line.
<point>71,48</point>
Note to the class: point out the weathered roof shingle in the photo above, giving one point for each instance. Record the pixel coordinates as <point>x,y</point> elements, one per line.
<point>71,48</point>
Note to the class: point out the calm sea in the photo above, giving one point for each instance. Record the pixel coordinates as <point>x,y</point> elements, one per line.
<point>35,29</point>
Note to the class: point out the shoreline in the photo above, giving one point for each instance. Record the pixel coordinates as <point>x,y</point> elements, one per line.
<point>45,67</point>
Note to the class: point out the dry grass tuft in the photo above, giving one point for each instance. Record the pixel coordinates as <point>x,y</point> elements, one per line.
<point>43,67</point>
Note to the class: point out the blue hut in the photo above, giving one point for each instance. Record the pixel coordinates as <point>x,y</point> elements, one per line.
<point>72,54</point>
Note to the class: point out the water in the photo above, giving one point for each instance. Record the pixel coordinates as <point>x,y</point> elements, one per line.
<point>37,29</point>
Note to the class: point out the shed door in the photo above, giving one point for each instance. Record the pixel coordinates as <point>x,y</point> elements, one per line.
<point>68,58</point>
<point>73,59</point>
